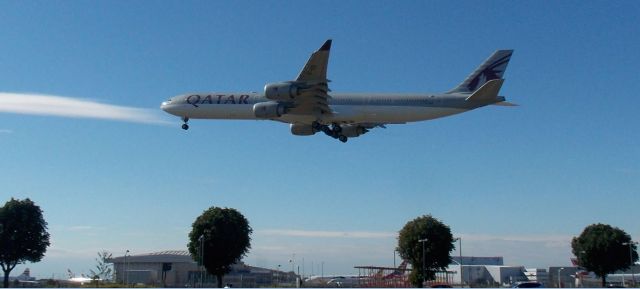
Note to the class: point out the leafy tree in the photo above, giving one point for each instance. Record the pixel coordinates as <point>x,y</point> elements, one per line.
<point>23,235</point>
<point>103,270</point>
<point>603,249</point>
<point>225,240</point>
<point>437,248</point>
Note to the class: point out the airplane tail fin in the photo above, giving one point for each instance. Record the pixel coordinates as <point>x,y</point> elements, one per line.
<point>492,68</point>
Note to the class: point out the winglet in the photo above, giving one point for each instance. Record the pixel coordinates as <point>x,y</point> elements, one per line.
<point>315,70</point>
<point>326,46</point>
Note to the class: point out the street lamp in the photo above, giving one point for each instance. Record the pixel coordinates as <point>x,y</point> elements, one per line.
<point>125,268</point>
<point>293,262</point>
<point>581,255</point>
<point>424,270</point>
<point>560,277</point>
<point>201,239</point>
<point>394,258</point>
<point>630,244</point>
<point>278,277</point>
<point>459,239</point>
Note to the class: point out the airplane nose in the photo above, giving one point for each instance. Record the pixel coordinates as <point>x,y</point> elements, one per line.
<point>170,107</point>
<point>167,105</point>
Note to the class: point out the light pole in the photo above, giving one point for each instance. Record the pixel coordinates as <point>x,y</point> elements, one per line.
<point>459,239</point>
<point>630,244</point>
<point>201,239</point>
<point>394,258</point>
<point>581,255</point>
<point>278,277</point>
<point>125,268</point>
<point>560,277</point>
<point>293,262</point>
<point>424,270</point>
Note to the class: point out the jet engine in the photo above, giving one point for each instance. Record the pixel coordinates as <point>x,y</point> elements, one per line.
<point>283,91</point>
<point>302,129</point>
<point>353,130</point>
<point>269,109</point>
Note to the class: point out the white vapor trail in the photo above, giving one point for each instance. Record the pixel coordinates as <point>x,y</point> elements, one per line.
<point>51,105</point>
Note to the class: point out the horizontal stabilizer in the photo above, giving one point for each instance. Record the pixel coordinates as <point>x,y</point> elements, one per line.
<point>488,91</point>
<point>505,103</point>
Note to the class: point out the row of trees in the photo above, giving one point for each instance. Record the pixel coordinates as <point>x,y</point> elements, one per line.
<point>427,243</point>
<point>220,237</point>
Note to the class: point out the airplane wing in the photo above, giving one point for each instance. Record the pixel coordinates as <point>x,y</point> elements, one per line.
<point>313,80</point>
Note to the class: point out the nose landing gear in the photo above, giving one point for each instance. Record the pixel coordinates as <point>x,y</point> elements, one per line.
<point>185,126</point>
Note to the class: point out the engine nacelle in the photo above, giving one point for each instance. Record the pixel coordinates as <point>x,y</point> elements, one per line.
<point>269,110</point>
<point>283,91</point>
<point>353,130</point>
<point>302,129</point>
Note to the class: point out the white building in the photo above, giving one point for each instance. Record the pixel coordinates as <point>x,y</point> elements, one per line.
<point>177,269</point>
<point>484,271</point>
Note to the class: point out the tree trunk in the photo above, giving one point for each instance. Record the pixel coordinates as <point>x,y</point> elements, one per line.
<point>219,277</point>
<point>6,278</point>
<point>604,281</point>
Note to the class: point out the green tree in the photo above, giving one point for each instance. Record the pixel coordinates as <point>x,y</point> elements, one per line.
<point>23,235</point>
<point>437,247</point>
<point>603,249</point>
<point>222,236</point>
<point>103,271</point>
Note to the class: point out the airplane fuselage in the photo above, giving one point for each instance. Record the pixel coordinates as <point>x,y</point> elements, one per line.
<point>308,104</point>
<point>346,107</point>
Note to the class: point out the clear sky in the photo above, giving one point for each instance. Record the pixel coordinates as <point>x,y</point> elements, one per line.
<point>116,173</point>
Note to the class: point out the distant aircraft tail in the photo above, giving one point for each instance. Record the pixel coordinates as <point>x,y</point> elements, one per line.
<point>26,273</point>
<point>492,68</point>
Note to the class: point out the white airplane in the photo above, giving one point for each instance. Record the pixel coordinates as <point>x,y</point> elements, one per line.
<point>82,279</point>
<point>24,277</point>
<point>308,106</point>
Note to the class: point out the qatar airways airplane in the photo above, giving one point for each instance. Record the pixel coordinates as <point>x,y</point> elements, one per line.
<point>307,104</point>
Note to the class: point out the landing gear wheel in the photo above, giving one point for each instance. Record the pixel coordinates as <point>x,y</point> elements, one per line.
<point>185,126</point>
<point>327,131</point>
<point>336,128</point>
<point>343,138</point>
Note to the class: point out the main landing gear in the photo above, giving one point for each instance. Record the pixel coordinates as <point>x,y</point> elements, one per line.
<point>185,126</point>
<point>334,131</point>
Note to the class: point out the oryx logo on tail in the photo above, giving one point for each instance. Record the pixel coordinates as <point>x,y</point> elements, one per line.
<point>492,68</point>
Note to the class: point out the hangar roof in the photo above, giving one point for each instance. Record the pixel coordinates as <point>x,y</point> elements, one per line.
<point>171,256</point>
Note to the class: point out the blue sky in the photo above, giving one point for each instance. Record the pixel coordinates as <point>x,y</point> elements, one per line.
<point>118,174</point>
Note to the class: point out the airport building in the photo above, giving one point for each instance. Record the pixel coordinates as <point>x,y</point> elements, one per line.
<point>177,269</point>
<point>468,270</point>
<point>484,271</point>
